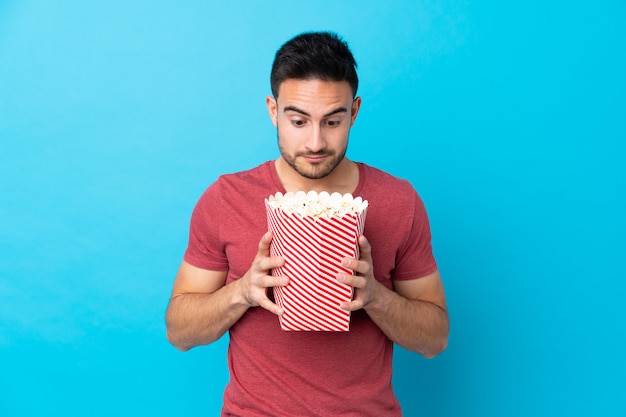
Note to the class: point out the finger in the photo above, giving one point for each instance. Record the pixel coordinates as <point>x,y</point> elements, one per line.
<point>268,305</point>
<point>365,247</point>
<point>353,305</point>
<point>351,280</point>
<point>264,243</point>
<point>278,281</point>
<point>259,294</point>
<point>362,267</point>
<point>270,262</point>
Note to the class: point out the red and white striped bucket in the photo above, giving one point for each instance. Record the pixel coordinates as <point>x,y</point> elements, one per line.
<point>313,248</point>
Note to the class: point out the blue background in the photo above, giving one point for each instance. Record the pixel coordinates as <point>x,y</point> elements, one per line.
<point>509,119</point>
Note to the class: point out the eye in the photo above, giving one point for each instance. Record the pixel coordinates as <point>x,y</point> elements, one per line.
<point>298,122</point>
<point>333,123</point>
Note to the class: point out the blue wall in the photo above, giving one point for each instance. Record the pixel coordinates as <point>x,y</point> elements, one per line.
<point>509,119</point>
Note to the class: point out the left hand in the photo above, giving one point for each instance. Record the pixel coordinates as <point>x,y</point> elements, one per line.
<point>365,284</point>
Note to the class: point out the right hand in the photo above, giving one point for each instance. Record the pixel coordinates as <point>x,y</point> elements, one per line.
<point>255,283</point>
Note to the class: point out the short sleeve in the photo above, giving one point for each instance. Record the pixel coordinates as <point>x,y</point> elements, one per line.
<point>204,249</point>
<point>415,258</point>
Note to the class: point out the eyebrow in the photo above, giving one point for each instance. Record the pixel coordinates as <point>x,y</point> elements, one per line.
<point>297,110</point>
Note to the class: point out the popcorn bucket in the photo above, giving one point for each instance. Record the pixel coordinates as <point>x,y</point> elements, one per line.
<point>313,233</point>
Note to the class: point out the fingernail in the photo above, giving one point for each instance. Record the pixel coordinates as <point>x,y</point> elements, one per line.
<point>345,262</point>
<point>342,277</point>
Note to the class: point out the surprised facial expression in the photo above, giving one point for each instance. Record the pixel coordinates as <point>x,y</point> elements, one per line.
<point>313,119</point>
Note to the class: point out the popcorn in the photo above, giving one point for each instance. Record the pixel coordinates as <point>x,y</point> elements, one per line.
<point>314,232</point>
<point>317,205</point>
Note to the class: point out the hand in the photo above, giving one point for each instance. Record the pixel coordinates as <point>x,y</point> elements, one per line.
<point>365,284</point>
<point>258,279</point>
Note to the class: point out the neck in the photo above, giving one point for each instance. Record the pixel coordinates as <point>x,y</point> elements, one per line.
<point>343,179</point>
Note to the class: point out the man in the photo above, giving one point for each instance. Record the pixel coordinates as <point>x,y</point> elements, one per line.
<point>225,282</point>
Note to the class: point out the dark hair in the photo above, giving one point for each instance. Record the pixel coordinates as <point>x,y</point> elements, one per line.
<point>322,55</point>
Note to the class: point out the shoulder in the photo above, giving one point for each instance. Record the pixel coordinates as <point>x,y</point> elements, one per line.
<point>239,182</point>
<point>376,176</point>
<point>260,173</point>
<point>251,186</point>
<point>381,184</point>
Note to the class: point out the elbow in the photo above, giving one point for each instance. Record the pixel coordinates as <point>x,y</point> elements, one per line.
<point>177,342</point>
<point>185,339</point>
<point>436,349</point>
<point>173,332</point>
<point>175,336</point>
<point>430,349</point>
<point>439,343</point>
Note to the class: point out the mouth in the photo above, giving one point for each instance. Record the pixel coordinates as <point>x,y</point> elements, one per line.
<point>315,158</point>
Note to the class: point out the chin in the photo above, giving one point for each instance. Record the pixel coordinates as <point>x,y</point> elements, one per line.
<point>317,172</point>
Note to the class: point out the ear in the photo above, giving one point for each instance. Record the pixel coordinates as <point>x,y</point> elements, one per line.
<point>272,109</point>
<point>356,106</point>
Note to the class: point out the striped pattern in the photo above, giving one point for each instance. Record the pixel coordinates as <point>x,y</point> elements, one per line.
<point>313,250</point>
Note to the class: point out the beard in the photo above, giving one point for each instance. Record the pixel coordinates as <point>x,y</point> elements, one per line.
<point>313,171</point>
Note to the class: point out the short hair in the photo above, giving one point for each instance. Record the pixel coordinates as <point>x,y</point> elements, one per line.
<point>310,55</point>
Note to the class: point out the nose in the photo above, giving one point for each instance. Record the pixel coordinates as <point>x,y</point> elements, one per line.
<point>315,142</point>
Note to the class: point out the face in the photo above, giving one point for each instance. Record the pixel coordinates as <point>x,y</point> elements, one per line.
<point>313,119</point>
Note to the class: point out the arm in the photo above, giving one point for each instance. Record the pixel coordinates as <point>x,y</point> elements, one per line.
<point>414,315</point>
<point>202,308</point>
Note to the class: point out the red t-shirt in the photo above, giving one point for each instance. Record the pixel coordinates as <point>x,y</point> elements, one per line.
<point>288,373</point>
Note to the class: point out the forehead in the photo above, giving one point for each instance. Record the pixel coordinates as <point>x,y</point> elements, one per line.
<point>314,93</point>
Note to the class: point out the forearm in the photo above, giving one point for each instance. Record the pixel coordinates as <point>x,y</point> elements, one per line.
<point>195,319</point>
<point>416,325</point>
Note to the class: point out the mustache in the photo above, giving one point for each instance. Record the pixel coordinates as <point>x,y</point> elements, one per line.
<point>319,153</point>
